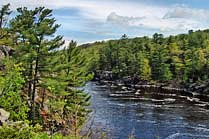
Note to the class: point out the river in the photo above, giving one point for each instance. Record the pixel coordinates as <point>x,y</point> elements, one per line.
<point>145,118</point>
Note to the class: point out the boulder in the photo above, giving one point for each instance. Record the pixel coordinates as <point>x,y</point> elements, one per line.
<point>4,115</point>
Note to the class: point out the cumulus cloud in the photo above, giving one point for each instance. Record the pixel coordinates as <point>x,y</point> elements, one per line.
<point>122,20</point>
<point>178,18</point>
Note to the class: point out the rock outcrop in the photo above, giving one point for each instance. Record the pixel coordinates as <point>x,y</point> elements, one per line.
<point>4,116</point>
<point>5,51</point>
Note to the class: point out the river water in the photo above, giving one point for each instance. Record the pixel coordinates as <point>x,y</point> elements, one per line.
<point>145,119</point>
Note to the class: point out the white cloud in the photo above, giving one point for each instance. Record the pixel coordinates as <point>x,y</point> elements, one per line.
<point>176,19</point>
<point>122,20</point>
<point>94,8</point>
<point>111,17</point>
<point>187,13</point>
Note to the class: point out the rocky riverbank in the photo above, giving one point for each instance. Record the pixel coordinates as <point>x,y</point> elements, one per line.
<point>131,88</point>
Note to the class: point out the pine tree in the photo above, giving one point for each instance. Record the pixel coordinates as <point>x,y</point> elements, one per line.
<point>144,67</point>
<point>4,14</point>
<point>34,29</point>
<point>159,63</point>
<point>75,73</point>
<point>76,65</point>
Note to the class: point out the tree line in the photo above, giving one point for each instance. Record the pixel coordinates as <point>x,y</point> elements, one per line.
<point>179,60</point>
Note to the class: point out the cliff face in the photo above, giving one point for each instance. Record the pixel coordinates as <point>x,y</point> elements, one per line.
<point>5,51</point>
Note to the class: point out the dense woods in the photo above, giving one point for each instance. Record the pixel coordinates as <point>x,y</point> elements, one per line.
<point>179,61</point>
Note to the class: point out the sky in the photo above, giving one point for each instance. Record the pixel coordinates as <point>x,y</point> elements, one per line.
<point>94,20</point>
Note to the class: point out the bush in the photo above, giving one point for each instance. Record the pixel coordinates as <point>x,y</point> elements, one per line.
<point>11,82</point>
<point>18,130</point>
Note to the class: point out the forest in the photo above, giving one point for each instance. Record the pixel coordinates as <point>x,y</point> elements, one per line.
<point>39,76</point>
<point>178,61</point>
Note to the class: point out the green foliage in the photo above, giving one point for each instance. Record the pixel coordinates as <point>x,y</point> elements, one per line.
<point>36,49</point>
<point>20,130</point>
<point>75,108</point>
<point>42,88</point>
<point>11,82</point>
<point>70,105</point>
<point>10,132</point>
<point>144,67</point>
<point>39,85</point>
<point>182,59</point>
<point>75,65</point>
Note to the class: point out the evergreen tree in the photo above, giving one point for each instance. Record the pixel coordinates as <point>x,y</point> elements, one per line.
<point>34,28</point>
<point>144,67</point>
<point>4,14</point>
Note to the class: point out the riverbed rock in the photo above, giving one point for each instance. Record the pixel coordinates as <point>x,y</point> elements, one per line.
<point>138,92</point>
<point>199,87</point>
<point>103,75</point>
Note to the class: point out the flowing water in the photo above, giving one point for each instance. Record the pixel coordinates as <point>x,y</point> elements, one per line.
<point>145,119</point>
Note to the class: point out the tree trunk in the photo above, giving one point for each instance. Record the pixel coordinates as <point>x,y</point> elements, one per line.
<point>34,84</point>
<point>30,81</point>
<point>43,98</point>
<point>30,88</point>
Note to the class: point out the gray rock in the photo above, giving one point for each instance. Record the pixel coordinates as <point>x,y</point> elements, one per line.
<point>138,92</point>
<point>4,115</point>
<point>5,51</point>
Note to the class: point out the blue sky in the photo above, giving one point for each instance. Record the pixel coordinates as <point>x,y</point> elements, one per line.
<point>93,20</point>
